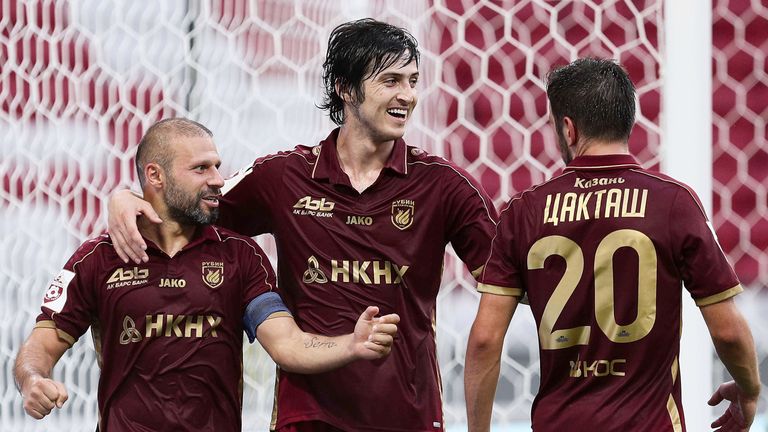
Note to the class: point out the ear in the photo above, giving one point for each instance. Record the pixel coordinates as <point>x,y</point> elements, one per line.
<point>154,174</point>
<point>343,94</point>
<point>569,131</point>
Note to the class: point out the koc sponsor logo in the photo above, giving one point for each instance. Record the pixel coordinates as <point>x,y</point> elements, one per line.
<point>597,368</point>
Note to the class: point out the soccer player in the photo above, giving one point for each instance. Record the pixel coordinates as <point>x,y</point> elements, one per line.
<point>601,252</point>
<point>362,217</point>
<point>169,331</point>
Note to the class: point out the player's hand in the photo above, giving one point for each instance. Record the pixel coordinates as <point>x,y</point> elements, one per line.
<point>740,413</point>
<point>41,395</point>
<point>374,335</point>
<point>123,209</point>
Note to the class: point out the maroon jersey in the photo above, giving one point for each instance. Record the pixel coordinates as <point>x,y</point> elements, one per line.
<point>169,332</point>
<point>340,251</point>
<point>601,252</point>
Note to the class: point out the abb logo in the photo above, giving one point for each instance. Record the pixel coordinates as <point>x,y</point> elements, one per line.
<point>319,204</point>
<point>124,275</point>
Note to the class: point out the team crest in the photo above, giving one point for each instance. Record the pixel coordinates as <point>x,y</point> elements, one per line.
<point>403,213</point>
<point>213,273</point>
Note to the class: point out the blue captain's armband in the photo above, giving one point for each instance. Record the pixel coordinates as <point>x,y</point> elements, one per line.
<point>259,309</point>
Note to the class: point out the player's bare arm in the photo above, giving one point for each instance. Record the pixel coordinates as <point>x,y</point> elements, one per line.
<point>124,207</point>
<point>736,349</point>
<point>481,370</point>
<point>32,372</point>
<point>297,351</point>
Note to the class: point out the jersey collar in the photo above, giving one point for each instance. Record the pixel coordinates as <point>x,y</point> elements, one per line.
<point>206,233</point>
<point>603,162</point>
<point>327,166</point>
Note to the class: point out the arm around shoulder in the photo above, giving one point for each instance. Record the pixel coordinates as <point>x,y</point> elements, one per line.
<point>124,207</point>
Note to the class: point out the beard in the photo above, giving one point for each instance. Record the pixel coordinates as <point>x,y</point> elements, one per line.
<point>188,209</point>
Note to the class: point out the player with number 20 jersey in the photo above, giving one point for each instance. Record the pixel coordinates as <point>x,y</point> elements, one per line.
<point>598,238</point>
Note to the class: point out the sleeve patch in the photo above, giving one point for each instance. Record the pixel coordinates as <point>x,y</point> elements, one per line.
<point>56,295</point>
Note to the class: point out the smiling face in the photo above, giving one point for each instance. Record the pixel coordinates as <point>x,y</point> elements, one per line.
<point>388,100</point>
<point>193,183</point>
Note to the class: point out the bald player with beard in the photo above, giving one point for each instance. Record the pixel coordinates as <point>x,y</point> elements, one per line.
<point>169,332</point>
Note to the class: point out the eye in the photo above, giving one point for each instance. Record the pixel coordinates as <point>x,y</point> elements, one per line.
<point>390,81</point>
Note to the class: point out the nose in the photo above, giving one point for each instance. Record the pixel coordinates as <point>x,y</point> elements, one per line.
<point>407,94</point>
<point>216,180</point>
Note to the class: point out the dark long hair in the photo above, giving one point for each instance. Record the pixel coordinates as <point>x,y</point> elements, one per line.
<point>358,50</point>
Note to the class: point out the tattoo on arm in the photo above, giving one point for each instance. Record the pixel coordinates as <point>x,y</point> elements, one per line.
<point>315,342</point>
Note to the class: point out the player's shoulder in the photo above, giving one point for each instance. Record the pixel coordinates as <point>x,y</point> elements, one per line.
<point>92,250</point>
<point>559,181</point>
<point>682,190</point>
<point>299,154</point>
<point>418,156</point>
<point>420,159</point>
<point>237,241</point>
<point>271,166</point>
<point>525,199</point>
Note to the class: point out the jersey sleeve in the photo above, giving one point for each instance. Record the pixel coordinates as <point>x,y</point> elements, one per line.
<point>470,219</point>
<point>244,206</point>
<point>501,273</point>
<point>258,277</point>
<point>69,303</point>
<point>702,264</point>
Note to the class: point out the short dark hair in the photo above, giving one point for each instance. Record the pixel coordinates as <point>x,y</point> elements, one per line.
<point>597,95</point>
<point>155,144</point>
<point>358,50</point>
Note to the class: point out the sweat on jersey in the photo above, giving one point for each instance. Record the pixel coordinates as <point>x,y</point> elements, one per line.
<point>602,251</point>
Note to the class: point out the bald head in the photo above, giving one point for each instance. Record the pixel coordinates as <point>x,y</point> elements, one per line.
<point>157,144</point>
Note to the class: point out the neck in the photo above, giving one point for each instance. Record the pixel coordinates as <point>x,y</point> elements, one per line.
<point>170,236</point>
<point>361,156</point>
<point>598,148</point>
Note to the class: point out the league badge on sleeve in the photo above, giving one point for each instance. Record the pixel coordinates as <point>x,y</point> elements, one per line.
<point>56,294</point>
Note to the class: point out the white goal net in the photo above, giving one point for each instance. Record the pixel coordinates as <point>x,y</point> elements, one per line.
<point>81,80</point>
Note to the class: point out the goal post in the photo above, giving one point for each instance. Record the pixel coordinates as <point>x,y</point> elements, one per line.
<point>687,156</point>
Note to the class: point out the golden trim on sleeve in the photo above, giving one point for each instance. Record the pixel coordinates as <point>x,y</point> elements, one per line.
<point>478,271</point>
<point>717,298</point>
<point>499,290</point>
<point>279,314</point>
<point>61,333</point>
